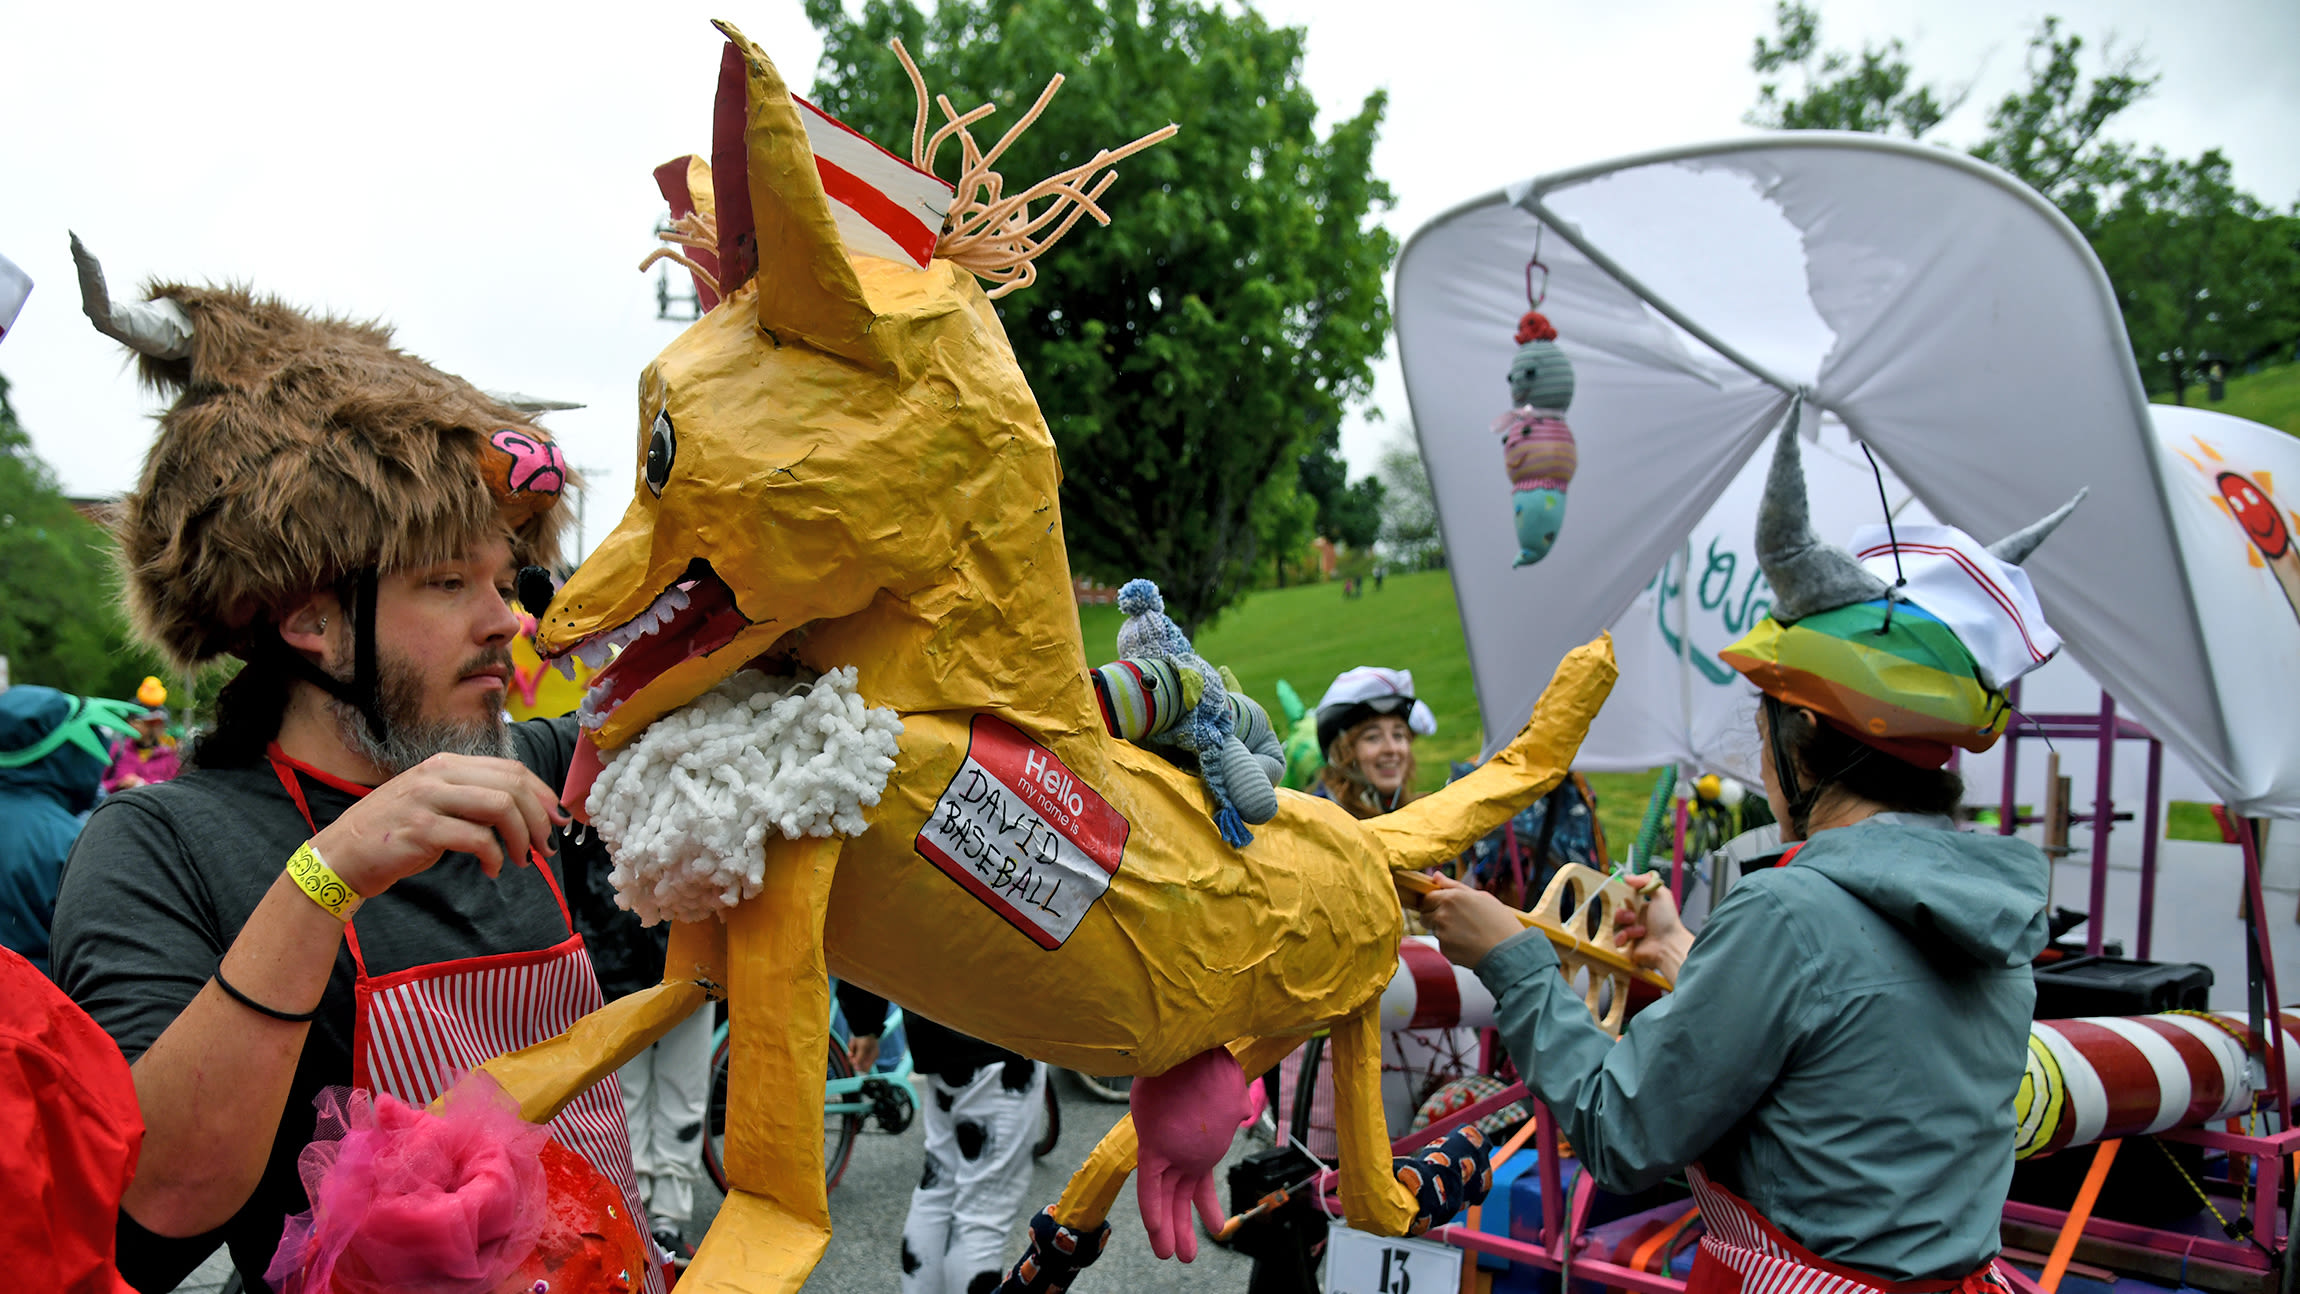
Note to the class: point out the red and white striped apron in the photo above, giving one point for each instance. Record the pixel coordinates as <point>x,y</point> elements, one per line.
<point>415,1031</point>
<point>1742,1253</point>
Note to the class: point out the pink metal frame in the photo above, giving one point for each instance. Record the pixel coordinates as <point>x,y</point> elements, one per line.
<point>2105,730</point>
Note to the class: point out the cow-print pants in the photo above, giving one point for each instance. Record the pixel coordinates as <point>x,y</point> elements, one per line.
<point>970,1194</point>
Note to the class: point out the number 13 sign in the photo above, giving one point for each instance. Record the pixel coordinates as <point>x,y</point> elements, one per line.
<point>1358,1263</point>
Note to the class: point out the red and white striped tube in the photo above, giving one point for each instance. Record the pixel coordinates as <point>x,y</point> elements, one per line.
<point>1429,992</point>
<point>2100,1077</point>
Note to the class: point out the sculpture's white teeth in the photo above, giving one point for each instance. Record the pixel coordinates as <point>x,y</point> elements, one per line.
<point>596,706</point>
<point>596,650</point>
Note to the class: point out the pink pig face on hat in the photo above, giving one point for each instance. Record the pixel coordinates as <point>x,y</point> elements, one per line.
<point>522,465</point>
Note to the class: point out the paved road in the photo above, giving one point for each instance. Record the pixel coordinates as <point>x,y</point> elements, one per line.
<point>868,1208</point>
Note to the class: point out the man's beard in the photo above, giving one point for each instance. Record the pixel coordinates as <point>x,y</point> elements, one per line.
<point>408,737</point>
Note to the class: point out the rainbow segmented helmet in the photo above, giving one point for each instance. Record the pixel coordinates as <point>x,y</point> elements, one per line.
<point>1908,641</point>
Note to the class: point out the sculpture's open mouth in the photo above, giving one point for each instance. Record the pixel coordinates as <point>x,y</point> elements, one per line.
<point>695,616</point>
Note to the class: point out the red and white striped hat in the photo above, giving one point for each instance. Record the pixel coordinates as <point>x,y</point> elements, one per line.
<point>884,206</point>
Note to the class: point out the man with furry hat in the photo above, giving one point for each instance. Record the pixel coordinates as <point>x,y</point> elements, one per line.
<point>350,524</point>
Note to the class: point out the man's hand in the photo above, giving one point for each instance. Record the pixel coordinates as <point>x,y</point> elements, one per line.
<point>862,1052</point>
<point>1649,928</point>
<point>1468,922</point>
<point>446,804</point>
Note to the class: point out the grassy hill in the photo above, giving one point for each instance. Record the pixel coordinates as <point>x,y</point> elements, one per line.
<point>1308,634</point>
<point>2270,396</point>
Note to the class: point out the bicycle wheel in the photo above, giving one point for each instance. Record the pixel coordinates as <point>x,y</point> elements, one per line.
<point>1115,1089</point>
<point>838,1129</point>
<point>1051,1131</point>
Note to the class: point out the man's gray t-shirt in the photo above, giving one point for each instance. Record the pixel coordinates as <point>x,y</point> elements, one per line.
<point>157,888</point>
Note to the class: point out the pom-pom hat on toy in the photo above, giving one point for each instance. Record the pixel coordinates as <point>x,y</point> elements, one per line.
<point>1369,690</point>
<point>1911,667</point>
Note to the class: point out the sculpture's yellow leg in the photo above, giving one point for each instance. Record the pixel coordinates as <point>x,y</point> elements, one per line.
<point>776,1220</point>
<point>1372,1197</point>
<point>545,1077</point>
<point>1094,1187</point>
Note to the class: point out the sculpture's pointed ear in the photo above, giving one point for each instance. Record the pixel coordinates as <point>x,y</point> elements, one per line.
<point>686,185</point>
<point>786,237</point>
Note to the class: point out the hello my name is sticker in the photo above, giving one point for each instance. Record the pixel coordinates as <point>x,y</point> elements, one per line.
<point>1020,832</point>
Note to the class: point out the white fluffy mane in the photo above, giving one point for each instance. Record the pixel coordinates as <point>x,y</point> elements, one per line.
<point>686,807</point>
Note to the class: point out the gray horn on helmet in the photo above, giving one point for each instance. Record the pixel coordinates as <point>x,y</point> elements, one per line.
<point>2014,548</point>
<point>1808,576</point>
<point>158,328</point>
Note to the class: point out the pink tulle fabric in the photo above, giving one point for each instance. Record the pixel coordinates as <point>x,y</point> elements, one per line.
<point>408,1200</point>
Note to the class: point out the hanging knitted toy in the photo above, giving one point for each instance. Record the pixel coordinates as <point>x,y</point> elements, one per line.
<point>1242,786</point>
<point>1536,445</point>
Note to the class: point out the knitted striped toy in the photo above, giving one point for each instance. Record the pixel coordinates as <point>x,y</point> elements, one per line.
<point>1537,447</point>
<point>1241,789</point>
<point>1142,698</point>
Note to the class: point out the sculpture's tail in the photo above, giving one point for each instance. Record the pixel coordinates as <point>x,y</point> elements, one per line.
<point>1443,824</point>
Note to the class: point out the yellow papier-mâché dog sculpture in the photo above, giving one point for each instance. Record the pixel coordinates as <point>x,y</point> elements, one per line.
<point>844,460</point>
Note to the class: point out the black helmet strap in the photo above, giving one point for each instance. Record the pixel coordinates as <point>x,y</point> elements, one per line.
<point>1794,792</point>
<point>360,692</point>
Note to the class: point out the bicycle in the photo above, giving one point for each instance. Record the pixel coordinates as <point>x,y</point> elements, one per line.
<point>883,1097</point>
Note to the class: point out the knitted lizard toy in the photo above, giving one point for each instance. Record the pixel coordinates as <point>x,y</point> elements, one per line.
<point>1216,729</point>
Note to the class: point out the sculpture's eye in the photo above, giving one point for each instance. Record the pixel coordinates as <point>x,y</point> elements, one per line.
<point>662,448</point>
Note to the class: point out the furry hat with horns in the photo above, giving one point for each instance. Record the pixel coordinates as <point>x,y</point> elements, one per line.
<point>299,451</point>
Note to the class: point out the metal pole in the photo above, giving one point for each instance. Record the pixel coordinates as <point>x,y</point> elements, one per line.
<point>1545,1144</point>
<point>2102,806</point>
<point>1677,858</point>
<point>2272,1026</point>
<point>2005,823</point>
<point>2148,833</point>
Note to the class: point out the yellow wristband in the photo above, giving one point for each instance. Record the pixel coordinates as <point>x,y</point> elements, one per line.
<point>313,876</point>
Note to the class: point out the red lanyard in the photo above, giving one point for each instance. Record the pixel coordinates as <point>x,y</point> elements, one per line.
<point>282,763</point>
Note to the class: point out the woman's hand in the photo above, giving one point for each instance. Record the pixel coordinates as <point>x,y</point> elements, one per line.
<point>446,804</point>
<point>862,1052</point>
<point>1649,928</point>
<point>1468,922</point>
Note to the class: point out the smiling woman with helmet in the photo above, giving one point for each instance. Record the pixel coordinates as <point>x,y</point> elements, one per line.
<point>1367,722</point>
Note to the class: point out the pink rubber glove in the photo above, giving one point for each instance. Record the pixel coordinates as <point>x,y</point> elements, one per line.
<point>1185,1119</point>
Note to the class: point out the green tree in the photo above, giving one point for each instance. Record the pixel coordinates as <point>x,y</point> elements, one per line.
<point>1869,91</point>
<point>2049,133</point>
<point>1285,521</point>
<point>1349,513</point>
<point>1409,509</point>
<point>60,623</point>
<point>1196,348</point>
<point>2202,270</point>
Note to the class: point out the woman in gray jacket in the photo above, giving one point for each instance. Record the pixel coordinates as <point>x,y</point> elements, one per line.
<point>1835,1070</point>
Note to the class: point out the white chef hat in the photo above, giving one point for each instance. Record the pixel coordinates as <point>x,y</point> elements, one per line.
<point>1368,690</point>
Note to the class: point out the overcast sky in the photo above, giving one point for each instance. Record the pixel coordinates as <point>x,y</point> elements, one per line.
<point>478,175</point>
